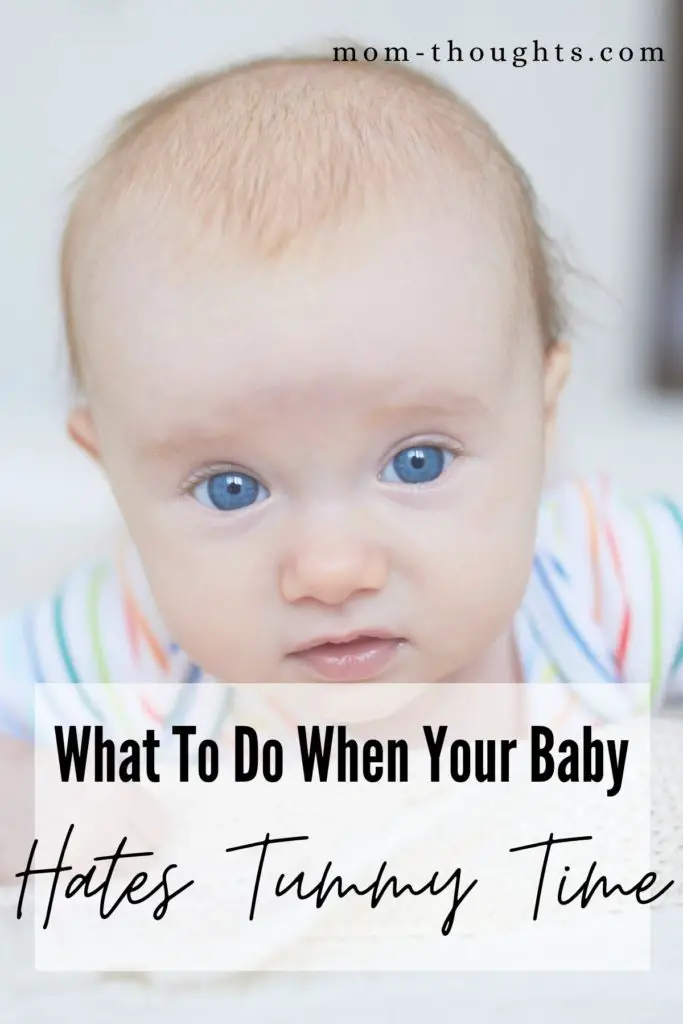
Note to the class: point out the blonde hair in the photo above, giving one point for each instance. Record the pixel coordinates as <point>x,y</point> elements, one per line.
<point>275,149</point>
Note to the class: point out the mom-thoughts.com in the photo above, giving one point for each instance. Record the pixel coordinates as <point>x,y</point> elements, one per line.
<point>527,55</point>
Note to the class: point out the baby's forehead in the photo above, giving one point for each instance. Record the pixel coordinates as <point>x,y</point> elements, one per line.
<point>314,359</point>
<point>275,411</point>
<point>372,305</point>
<point>286,162</point>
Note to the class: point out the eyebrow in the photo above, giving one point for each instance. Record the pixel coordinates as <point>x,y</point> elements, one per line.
<point>442,403</point>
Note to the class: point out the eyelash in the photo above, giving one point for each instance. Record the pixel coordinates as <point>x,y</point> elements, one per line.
<point>200,476</point>
<point>423,442</point>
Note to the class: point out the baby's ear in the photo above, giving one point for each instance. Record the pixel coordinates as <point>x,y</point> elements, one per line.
<point>81,429</point>
<point>557,367</point>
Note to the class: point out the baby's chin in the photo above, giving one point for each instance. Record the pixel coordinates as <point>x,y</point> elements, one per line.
<point>324,703</point>
<point>292,687</point>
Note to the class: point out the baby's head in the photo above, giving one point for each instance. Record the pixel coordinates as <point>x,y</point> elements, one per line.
<point>312,318</point>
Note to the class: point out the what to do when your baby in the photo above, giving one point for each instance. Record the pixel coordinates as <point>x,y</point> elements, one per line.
<point>329,753</point>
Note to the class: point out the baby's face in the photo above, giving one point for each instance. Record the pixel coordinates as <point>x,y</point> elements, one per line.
<point>351,445</point>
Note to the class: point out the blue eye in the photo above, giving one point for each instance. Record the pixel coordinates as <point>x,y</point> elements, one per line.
<point>228,492</point>
<point>419,465</point>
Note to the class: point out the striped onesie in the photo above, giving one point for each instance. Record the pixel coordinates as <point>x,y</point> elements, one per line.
<point>604,604</point>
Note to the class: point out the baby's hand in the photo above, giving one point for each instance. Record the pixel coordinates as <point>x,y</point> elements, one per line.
<point>96,817</point>
<point>35,805</point>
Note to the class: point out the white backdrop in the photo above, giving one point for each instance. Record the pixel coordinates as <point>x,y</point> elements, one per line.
<point>591,135</point>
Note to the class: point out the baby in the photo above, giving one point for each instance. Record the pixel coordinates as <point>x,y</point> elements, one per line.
<point>314,325</point>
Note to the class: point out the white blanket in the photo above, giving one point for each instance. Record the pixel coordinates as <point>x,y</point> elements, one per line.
<point>28,997</point>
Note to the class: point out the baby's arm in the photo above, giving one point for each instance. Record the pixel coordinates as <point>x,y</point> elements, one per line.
<point>99,825</point>
<point>651,535</point>
<point>93,630</point>
<point>621,561</point>
<point>16,805</point>
<point>631,554</point>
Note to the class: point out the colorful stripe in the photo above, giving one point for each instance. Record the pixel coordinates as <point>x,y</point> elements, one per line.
<point>564,615</point>
<point>678,519</point>
<point>141,626</point>
<point>655,677</point>
<point>624,634</point>
<point>94,625</point>
<point>32,648</point>
<point>60,632</point>
<point>594,548</point>
<point>102,667</point>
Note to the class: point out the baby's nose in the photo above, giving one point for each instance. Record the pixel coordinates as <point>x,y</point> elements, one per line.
<point>332,572</point>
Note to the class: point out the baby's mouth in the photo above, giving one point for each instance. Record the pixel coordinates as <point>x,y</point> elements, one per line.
<point>355,657</point>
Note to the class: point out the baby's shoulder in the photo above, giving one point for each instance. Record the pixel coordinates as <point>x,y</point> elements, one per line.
<point>592,522</point>
<point>93,627</point>
<point>621,555</point>
<point>98,627</point>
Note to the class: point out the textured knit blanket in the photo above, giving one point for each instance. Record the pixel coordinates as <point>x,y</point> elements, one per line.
<point>26,995</point>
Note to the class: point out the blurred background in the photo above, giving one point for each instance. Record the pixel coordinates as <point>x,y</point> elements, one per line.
<point>601,142</point>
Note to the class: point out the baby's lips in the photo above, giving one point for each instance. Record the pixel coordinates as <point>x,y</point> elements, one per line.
<point>344,640</point>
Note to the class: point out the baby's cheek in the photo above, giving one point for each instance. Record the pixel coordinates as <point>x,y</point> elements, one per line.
<point>232,627</point>
<point>480,570</point>
<point>209,598</point>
